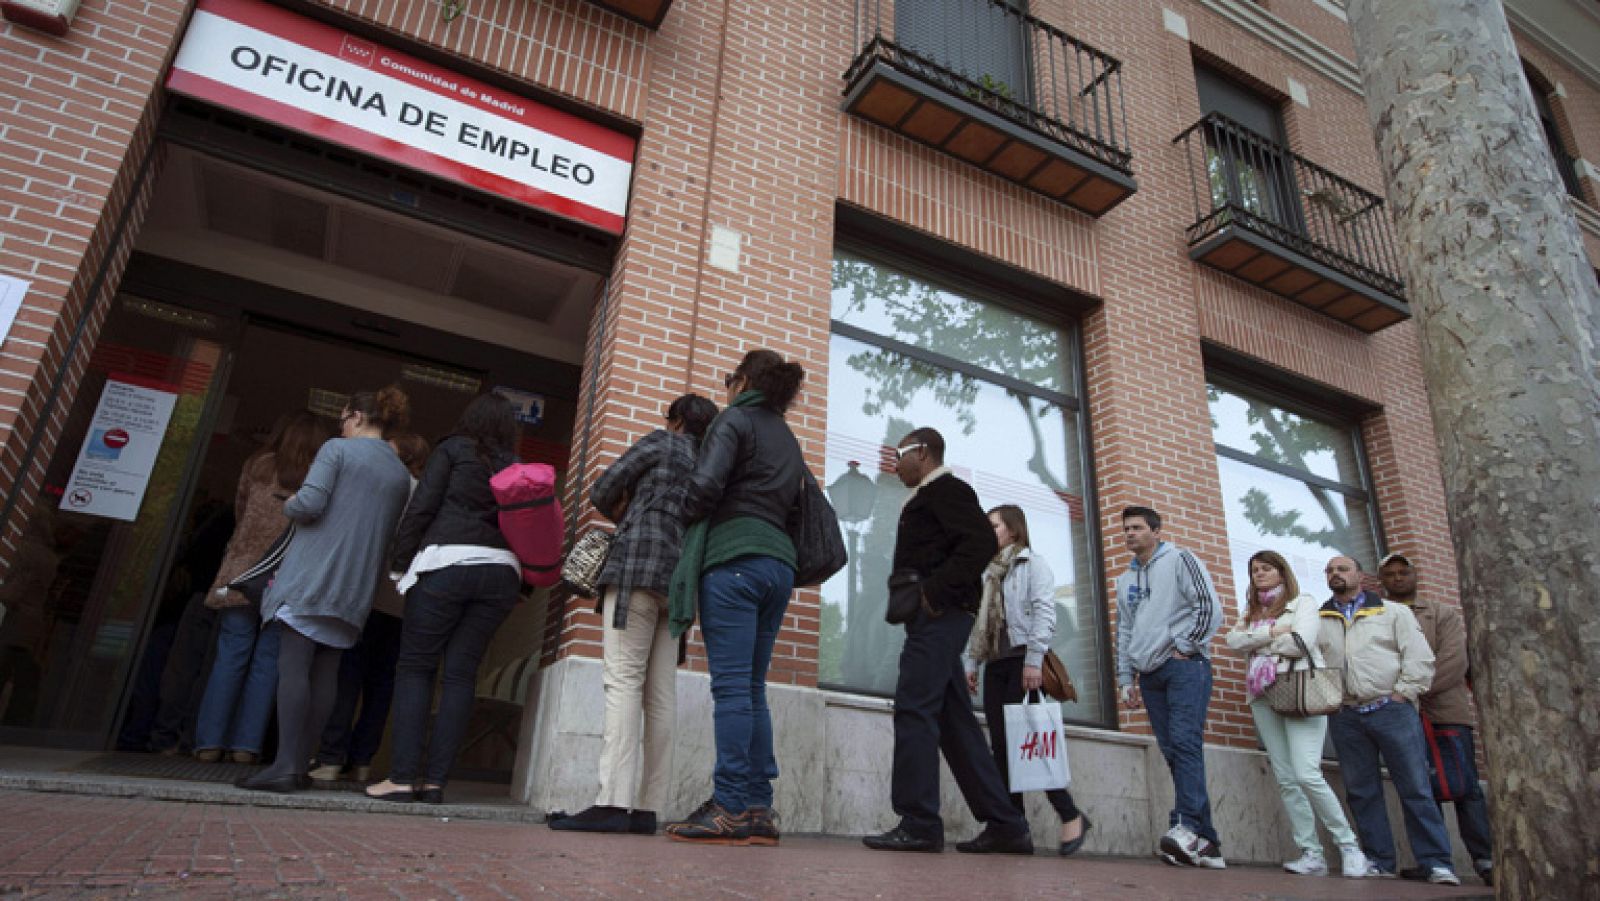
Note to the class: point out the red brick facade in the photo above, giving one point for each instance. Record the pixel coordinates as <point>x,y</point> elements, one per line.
<point>739,107</point>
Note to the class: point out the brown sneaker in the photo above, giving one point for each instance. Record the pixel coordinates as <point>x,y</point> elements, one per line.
<point>712,824</point>
<point>763,826</point>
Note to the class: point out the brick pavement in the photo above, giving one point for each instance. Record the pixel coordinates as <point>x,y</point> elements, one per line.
<point>54,845</point>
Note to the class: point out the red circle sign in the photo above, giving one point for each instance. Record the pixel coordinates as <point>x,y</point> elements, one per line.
<point>116,438</point>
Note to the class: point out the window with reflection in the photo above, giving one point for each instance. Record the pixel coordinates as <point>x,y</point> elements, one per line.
<point>1293,481</point>
<point>1002,388</point>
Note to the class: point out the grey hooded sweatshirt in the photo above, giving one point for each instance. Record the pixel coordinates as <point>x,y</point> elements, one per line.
<point>1164,607</point>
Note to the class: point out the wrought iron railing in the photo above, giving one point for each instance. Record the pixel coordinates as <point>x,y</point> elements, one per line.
<point>1056,85</point>
<point>1238,177</point>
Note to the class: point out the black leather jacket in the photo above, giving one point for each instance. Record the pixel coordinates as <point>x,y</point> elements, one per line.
<point>749,465</point>
<point>452,504</point>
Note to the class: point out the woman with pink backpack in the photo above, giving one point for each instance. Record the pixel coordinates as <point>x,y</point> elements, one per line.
<point>461,582</point>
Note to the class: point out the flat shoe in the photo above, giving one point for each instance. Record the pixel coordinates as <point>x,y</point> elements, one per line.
<point>402,796</point>
<point>208,755</point>
<point>1070,848</point>
<point>278,785</point>
<point>430,795</point>
<point>596,819</point>
<point>249,757</point>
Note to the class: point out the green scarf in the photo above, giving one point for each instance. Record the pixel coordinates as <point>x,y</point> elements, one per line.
<point>683,592</point>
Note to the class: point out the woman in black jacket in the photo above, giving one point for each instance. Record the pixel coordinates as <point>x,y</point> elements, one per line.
<point>459,588</point>
<point>742,497</point>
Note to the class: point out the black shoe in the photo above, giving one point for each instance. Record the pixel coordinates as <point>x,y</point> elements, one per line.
<point>430,795</point>
<point>898,839</point>
<point>1415,874</point>
<point>596,819</point>
<point>712,824</point>
<point>1485,871</point>
<point>1070,848</point>
<point>993,841</point>
<point>642,822</point>
<point>279,785</point>
<point>763,826</point>
<point>302,781</point>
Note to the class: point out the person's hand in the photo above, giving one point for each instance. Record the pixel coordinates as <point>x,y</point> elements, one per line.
<point>1282,629</point>
<point>1399,698</point>
<point>972,682</point>
<point>1130,697</point>
<point>1032,678</point>
<point>1180,655</point>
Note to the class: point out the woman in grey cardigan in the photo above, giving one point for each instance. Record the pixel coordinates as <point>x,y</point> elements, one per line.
<point>344,515</point>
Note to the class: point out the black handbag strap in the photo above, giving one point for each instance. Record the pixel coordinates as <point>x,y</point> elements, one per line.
<point>1311,665</point>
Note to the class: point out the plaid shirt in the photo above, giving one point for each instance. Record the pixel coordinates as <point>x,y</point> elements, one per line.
<point>654,476</point>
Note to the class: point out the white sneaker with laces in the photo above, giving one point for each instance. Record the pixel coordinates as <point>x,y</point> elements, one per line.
<point>1210,858</point>
<point>1443,876</point>
<point>1180,846</point>
<point>1310,864</point>
<point>1352,863</point>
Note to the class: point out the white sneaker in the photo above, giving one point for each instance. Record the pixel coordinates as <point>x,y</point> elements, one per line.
<point>1210,858</point>
<point>1352,863</point>
<point>1311,864</point>
<point>1443,876</point>
<point>1180,846</point>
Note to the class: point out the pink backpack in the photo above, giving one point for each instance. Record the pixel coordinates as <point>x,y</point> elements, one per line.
<point>531,520</point>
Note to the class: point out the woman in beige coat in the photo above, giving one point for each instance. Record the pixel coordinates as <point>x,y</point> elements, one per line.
<point>238,701</point>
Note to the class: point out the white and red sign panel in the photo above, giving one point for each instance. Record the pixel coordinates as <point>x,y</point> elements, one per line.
<point>284,68</point>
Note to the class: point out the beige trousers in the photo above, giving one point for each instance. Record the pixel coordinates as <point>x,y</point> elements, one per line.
<point>640,678</point>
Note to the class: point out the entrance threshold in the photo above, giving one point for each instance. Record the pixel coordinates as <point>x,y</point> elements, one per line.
<point>119,775</point>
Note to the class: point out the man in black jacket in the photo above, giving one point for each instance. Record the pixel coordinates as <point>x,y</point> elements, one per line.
<point>946,539</point>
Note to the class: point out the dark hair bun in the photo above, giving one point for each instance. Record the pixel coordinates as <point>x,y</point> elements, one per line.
<point>393,408</point>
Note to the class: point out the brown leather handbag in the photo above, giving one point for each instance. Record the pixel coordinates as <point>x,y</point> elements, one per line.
<point>1057,683</point>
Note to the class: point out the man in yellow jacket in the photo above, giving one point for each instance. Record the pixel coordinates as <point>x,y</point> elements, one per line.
<point>1387,665</point>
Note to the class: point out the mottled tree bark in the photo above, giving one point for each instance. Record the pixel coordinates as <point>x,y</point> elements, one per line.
<point>1509,313</point>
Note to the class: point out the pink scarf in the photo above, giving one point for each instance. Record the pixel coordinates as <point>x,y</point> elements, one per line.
<point>1263,669</point>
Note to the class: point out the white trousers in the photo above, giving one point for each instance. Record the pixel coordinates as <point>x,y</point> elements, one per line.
<point>1294,746</point>
<point>640,683</point>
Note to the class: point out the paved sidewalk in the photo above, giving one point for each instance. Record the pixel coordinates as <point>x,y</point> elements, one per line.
<point>73,846</point>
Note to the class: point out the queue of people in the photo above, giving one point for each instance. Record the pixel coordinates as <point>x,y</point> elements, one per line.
<point>704,512</point>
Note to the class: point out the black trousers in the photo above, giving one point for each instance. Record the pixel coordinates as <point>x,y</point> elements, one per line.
<point>933,713</point>
<point>1002,685</point>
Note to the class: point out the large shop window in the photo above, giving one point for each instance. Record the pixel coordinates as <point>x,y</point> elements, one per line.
<point>1293,481</point>
<point>1003,390</point>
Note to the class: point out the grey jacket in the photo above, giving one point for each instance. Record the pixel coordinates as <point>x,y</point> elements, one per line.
<point>1164,607</point>
<point>344,515</point>
<point>1029,592</point>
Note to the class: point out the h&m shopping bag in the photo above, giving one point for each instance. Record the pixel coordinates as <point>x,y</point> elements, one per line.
<point>1034,745</point>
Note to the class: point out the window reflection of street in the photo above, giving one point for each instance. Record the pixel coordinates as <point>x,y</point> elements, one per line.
<point>997,384</point>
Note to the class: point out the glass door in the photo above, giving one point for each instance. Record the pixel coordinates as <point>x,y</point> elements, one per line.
<point>98,544</point>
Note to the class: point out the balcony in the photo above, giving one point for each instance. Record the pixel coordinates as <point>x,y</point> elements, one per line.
<point>646,12</point>
<point>984,82</point>
<point>1284,223</point>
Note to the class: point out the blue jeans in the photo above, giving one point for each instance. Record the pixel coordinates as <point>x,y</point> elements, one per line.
<point>1176,695</point>
<point>451,615</point>
<point>1472,812</point>
<point>243,685</point>
<point>741,610</point>
<point>1394,733</point>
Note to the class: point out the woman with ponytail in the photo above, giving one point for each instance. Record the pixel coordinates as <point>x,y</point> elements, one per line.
<point>344,514</point>
<point>737,570</point>
<point>461,581</point>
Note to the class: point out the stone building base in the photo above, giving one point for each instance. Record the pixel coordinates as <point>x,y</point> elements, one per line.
<point>834,755</point>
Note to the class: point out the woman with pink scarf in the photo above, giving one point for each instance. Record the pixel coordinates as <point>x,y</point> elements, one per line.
<point>1276,614</point>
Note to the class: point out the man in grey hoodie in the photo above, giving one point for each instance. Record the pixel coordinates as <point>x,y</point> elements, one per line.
<point>1167,612</point>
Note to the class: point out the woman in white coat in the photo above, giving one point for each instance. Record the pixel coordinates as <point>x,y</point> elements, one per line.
<point>1015,627</point>
<point>1276,613</point>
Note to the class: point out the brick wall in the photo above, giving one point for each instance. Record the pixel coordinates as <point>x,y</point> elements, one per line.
<point>742,129</point>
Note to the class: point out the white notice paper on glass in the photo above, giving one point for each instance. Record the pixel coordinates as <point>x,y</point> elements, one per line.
<point>119,453</point>
<point>12,290</point>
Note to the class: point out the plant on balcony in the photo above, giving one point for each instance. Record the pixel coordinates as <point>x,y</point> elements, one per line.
<point>990,91</point>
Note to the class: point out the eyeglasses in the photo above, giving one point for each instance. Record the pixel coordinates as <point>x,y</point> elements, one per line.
<point>730,378</point>
<point>900,453</point>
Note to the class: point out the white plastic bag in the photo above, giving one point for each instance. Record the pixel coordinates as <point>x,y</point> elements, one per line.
<point>1035,745</point>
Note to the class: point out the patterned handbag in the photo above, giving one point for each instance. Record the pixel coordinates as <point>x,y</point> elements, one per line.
<point>581,570</point>
<point>1306,692</point>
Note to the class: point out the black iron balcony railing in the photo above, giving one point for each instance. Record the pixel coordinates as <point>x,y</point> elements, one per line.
<point>986,81</point>
<point>1291,226</point>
